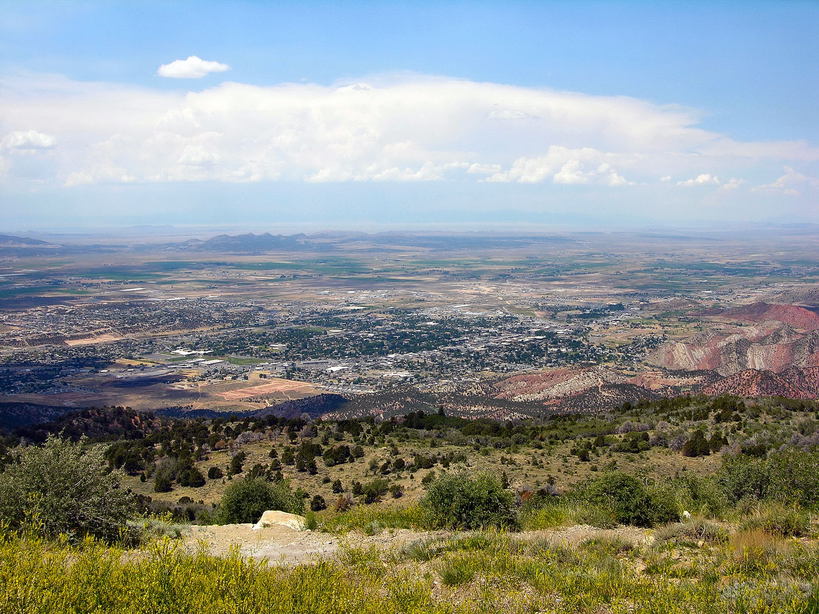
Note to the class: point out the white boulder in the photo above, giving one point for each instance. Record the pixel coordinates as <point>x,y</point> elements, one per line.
<point>276,518</point>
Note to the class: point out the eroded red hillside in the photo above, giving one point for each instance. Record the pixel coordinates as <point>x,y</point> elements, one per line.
<point>792,315</point>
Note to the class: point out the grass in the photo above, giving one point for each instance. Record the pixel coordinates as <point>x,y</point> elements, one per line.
<point>371,519</point>
<point>693,532</point>
<point>753,572</point>
<point>566,513</point>
<point>778,519</point>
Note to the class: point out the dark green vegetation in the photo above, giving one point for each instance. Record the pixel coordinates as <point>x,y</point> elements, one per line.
<point>246,500</point>
<point>63,488</point>
<point>456,501</point>
<point>749,547</point>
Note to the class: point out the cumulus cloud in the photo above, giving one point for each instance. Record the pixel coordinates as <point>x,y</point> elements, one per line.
<point>27,140</point>
<point>193,67</point>
<point>701,179</point>
<point>792,183</point>
<point>563,165</point>
<point>394,128</point>
<point>732,184</point>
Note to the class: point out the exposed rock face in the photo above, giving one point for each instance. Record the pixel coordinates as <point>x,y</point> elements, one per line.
<point>794,383</point>
<point>795,316</point>
<point>568,389</point>
<point>555,383</point>
<point>277,518</point>
<point>771,346</point>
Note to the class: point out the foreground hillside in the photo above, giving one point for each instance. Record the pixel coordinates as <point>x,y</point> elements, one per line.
<point>690,568</point>
<point>689,505</point>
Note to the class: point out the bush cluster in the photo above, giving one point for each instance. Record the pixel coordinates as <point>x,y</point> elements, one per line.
<point>246,500</point>
<point>64,487</point>
<point>629,501</point>
<point>457,501</point>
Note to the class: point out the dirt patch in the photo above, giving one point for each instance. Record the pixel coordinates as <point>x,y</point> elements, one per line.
<point>106,338</point>
<point>284,546</point>
<point>274,386</point>
<point>280,545</point>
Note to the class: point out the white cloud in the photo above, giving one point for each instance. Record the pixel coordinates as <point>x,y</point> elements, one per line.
<point>27,140</point>
<point>732,184</point>
<point>701,179</point>
<point>563,165</point>
<point>193,67</point>
<point>404,128</point>
<point>792,183</point>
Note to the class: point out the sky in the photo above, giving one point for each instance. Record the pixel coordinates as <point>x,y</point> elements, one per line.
<point>358,114</point>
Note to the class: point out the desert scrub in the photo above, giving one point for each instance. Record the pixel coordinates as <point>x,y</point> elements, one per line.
<point>63,487</point>
<point>246,500</point>
<point>565,512</point>
<point>457,501</point>
<point>692,532</point>
<point>779,519</point>
<point>474,573</point>
<point>372,518</point>
<point>630,501</point>
<point>787,476</point>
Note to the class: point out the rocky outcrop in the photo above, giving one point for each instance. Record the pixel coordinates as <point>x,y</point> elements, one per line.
<point>771,346</point>
<point>555,383</point>
<point>793,383</point>
<point>272,518</point>
<point>795,316</point>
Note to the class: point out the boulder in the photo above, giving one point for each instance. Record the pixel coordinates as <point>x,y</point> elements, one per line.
<point>277,518</point>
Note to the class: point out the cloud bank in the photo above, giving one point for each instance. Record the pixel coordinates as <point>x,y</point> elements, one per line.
<point>399,128</point>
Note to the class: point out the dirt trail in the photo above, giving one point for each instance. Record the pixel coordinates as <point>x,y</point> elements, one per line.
<point>284,546</point>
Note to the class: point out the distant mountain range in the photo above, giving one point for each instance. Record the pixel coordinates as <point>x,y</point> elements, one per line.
<point>247,243</point>
<point>598,388</point>
<point>259,243</point>
<point>14,241</point>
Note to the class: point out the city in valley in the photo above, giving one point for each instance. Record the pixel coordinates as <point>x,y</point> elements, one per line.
<point>428,307</point>
<point>348,325</point>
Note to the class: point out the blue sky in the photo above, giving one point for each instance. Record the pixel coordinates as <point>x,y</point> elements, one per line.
<point>638,112</point>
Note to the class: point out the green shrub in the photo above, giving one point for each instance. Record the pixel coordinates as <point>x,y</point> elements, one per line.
<point>162,483</point>
<point>778,519</point>
<point>318,503</point>
<point>246,500</point>
<point>629,501</point>
<point>64,487</point>
<point>360,517</point>
<point>191,477</point>
<point>457,571</point>
<point>458,501</point>
<point>700,495</point>
<point>788,476</point>
<point>373,491</point>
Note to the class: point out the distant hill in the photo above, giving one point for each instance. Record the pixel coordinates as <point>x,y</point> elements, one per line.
<point>17,415</point>
<point>14,241</point>
<point>314,407</point>
<point>107,423</point>
<point>794,383</point>
<point>768,345</point>
<point>247,243</point>
<point>796,316</point>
